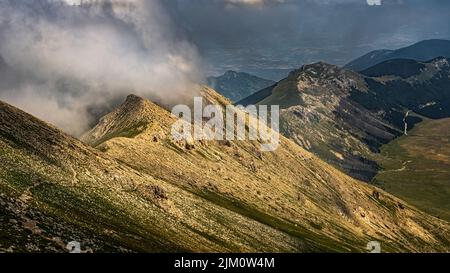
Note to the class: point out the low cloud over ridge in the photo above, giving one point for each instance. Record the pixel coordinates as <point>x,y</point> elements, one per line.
<point>66,58</point>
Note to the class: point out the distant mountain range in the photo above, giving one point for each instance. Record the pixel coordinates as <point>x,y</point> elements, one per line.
<point>238,85</point>
<point>421,51</point>
<point>344,116</point>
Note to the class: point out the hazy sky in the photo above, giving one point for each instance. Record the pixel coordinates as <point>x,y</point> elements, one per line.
<point>286,33</point>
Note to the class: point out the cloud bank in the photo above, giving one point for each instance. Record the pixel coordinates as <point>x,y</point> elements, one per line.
<point>66,59</point>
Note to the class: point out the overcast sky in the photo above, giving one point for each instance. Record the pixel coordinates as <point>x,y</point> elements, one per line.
<point>242,34</point>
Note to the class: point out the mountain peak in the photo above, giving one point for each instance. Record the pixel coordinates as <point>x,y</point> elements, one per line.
<point>133,99</point>
<point>315,69</point>
<point>133,103</point>
<point>134,106</point>
<point>131,118</point>
<point>321,72</point>
<point>231,73</point>
<point>320,67</point>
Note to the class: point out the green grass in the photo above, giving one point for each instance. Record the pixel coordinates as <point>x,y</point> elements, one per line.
<point>92,213</point>
<point>416,167</point>
<point>311,241</point>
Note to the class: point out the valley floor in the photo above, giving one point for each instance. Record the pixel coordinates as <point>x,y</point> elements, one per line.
<point>416,167</point>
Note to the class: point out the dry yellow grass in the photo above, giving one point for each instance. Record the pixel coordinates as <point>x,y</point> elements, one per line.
<point>289,190</point>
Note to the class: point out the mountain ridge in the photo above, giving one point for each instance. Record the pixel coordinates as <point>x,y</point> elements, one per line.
<point>236,175</point>
<point>345,116</point>
<point>57,189</point>
<point>148,192</point>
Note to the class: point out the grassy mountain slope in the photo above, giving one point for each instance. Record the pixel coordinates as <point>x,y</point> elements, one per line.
<point>54,189</point>
<point>289,190</point>
<point>416,167</point>
<point>319,114</point>
<point>238,85</point>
